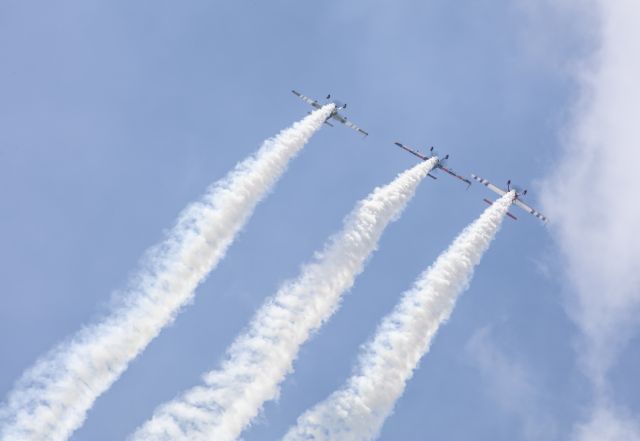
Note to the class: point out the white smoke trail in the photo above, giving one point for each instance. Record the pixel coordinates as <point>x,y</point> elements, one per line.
<point>263,355</point>
<point>50,401</point>
<point>357,411</point>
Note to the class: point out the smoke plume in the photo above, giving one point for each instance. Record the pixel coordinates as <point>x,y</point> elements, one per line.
<point>358,410</point>
<point>263,354</point>
<point>52,398</point>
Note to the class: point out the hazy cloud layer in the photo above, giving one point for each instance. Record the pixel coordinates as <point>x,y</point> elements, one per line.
<point>591,198</point>
<point>512,385</point>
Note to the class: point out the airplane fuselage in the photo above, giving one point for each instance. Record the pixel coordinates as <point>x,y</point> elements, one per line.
<point>333,113</point>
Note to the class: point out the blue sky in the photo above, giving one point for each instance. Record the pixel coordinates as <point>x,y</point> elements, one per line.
<point>115,115</point>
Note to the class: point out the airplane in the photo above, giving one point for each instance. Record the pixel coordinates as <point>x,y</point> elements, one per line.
<point>516,200</point>
<point>440,164</point>
<point>334,114</point>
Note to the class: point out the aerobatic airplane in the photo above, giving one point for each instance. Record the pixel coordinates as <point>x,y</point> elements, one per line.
<point>440,164</point>
<point>335,115</point>
<point>516,199</point>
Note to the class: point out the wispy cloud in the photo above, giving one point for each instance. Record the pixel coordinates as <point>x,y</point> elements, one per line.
<point>608,423</point>
<point>512,385</point>
<point>591,195</point>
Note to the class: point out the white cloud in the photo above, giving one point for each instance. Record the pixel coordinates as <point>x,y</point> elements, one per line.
<point>512,385</point>
<point>607,423</point>
<point>591,198</point>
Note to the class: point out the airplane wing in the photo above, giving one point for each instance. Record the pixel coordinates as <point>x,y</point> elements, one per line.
<point>412,151</point>
<point>306,99</point>
<point>454,174</point>
<point>517,201</point>
<point>527,208</point>
<point>489,185</point>
<point>349,124</point>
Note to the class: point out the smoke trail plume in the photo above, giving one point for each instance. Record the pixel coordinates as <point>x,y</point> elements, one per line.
<point>357,411</point>
<point>51,399</point>
<point>263,355</point>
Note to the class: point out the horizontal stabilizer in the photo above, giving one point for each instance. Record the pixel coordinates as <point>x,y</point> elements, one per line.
<point>508,214</point>
<point>431,176</point>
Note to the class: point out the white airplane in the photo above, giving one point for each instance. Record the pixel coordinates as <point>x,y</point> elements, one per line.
<point>440,164</point>
<point>516,200</point>
<point>335,115</point>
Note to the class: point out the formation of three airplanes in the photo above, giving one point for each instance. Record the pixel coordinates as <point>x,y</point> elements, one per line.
<point>440,162</point>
